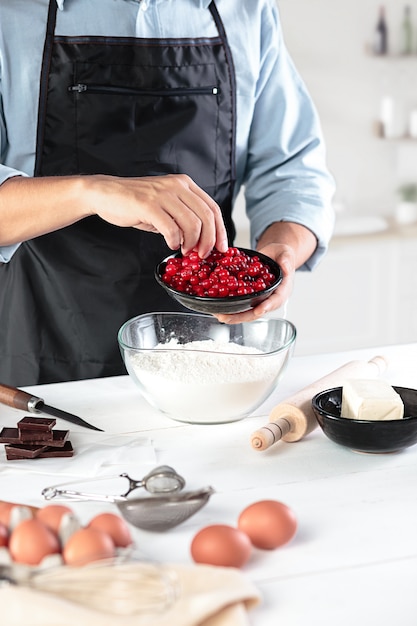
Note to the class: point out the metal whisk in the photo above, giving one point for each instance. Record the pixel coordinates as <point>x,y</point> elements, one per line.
<point>128,588</point>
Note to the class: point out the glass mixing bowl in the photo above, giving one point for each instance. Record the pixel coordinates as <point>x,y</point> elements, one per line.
<point>195,369</point>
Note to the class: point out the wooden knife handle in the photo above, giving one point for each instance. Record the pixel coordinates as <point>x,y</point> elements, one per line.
<point>16,397</point>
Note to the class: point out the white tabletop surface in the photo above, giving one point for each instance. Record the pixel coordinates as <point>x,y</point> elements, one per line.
<point>353,560</point>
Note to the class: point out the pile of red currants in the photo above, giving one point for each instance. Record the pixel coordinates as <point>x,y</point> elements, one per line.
<point>220,275</point>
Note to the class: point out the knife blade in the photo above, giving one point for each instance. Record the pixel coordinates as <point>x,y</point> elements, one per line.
<point>18,399</point>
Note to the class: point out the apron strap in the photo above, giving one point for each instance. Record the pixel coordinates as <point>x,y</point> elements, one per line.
<point>213,10</point>
<point>222,32</point>
<point>47,54</point>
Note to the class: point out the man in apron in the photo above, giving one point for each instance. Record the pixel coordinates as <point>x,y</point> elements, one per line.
<point>135,157</point>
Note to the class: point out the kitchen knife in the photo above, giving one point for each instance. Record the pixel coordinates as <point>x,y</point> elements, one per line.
<point>11,396</point>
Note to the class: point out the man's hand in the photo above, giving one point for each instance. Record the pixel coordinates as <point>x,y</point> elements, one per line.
<point>171,205</point>
<point>284,256</point>
<point>290,245</point>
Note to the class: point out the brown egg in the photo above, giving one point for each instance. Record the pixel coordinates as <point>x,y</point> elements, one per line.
<point>87,545</point>
<point>11,513</point>
<point>114,526</point>
<point>4,535</point>
<point>268,523</point>
<point>222,545</point>
<point>31,541</point>
<point>51,515</point>
<point>5,509</point>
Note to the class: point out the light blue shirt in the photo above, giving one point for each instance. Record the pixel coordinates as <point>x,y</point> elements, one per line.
<point>280,153</point>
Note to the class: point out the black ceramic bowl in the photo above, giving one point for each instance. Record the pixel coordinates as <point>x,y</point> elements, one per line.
<point>365,435</point>
<point>230,304</point>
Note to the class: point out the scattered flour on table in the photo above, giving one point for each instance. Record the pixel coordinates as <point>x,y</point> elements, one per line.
<point>207,361</point>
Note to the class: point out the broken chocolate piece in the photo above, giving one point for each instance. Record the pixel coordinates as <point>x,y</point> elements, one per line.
<point>10,435</point>
<point>18,451</point>
<point>57,440</point>
<point>35,436</point>
<point>66,450</point>
<point>53,438</point>
<point>36,423</point>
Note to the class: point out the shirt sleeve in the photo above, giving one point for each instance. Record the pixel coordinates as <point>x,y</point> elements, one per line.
<point>6,252</point>
<point>286,178</point>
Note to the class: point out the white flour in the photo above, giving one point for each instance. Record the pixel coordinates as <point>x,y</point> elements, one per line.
<point>198,382</point>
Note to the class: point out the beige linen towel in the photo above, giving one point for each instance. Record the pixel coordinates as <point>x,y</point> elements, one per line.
<point>208,596</point>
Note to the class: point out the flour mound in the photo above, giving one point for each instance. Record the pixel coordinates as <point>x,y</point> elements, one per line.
<point>206,362</point>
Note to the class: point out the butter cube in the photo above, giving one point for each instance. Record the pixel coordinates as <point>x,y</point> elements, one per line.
<point>371,400</point>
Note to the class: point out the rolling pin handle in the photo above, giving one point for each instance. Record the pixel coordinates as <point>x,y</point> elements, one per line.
<point>294,418</point>
<point>266,436</point>
<point>381,362</point>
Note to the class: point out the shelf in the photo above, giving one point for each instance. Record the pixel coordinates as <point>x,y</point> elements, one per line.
<point>408,140</point>
<point>378,133</point>
<point>393,56</point>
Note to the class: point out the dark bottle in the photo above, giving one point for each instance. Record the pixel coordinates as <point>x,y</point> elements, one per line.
<point>381,33</point>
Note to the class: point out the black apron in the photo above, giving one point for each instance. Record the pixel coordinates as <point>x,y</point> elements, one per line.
<point>123,107</point>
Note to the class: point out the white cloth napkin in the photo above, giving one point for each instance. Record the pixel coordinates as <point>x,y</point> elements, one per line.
<point>94,455</point>
<point>208,596</point>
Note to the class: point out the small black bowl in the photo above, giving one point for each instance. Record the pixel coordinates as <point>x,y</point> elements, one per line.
<point>230,304</point>
<point>366,435</point>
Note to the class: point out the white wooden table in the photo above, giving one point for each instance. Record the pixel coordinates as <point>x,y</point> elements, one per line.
<point>354,558</point>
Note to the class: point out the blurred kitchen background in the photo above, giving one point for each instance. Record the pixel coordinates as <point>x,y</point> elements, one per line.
<point>364,293</point>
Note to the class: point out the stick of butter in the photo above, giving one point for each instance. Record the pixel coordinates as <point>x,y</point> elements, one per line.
<point>371,400</point>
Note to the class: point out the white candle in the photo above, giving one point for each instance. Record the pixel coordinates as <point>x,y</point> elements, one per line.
<point>387,115</point>
<point>412,129</point>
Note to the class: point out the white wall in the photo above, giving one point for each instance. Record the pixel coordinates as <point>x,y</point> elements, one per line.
<point>328,40</point>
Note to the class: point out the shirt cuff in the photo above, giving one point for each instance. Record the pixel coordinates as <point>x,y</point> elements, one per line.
<point>319,222</point>
<point>6,252</point>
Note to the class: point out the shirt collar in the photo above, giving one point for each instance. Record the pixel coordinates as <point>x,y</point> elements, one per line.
<point>203,4</point>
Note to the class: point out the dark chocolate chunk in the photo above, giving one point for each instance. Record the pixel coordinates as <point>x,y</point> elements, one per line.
<point>57,440</point>
<point>36,436</point>
<point>17,451</point>
<point>65,450</point>
<point>10,435</point>
<point>36,423</point>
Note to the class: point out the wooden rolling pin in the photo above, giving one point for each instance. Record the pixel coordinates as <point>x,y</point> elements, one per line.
<point>294,418</point>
